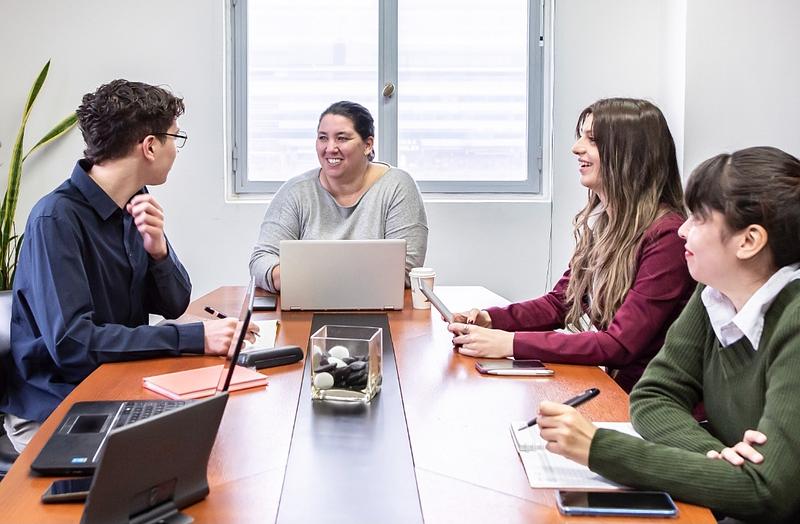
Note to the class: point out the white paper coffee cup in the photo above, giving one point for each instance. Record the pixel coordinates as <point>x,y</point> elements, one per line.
<point>416,275</point>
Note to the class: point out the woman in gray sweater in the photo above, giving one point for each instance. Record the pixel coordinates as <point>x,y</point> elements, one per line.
<point>349,197</point>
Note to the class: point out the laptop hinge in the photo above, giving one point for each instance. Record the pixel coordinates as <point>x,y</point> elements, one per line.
<point>165,513</point>
<point>389,307</point>
<point>294,308</point>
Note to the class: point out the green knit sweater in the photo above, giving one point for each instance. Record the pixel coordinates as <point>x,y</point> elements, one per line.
<point>742,389</point>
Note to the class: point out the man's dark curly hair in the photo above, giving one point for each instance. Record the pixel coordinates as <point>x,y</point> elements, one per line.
<point>121,114</point>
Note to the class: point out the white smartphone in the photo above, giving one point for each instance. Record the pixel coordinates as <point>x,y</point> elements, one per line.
<point>437,303</point>
<point>617,503</point>
<point>513,367</point>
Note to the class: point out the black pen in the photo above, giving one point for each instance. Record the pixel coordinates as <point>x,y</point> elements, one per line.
<point>210,310</point>
<point>573,402</point>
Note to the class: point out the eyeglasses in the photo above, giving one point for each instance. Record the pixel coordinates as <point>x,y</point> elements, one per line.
<point>180,138</point>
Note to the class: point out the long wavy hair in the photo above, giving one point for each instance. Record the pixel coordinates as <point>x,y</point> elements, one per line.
<point>641,182</point>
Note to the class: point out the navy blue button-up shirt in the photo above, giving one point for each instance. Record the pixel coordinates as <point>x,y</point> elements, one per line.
<point>82,294</point>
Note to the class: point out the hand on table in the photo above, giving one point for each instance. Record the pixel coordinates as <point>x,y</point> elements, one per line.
<point>566,431</point>
<point>742,451</point>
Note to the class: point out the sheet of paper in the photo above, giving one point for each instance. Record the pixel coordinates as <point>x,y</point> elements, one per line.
<point>548,470</point>
<point>268,331</point>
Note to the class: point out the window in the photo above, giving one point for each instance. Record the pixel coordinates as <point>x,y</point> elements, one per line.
<point>455,87</point>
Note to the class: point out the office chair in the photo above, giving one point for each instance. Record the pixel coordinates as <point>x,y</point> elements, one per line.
<point>7,452</point>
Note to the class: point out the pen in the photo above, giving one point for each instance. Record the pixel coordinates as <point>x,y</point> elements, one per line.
<point>210,310</point>
<point>573,402</point>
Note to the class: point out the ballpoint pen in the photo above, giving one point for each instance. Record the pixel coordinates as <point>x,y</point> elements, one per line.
<point>573,402</point>
<point>211,311</point>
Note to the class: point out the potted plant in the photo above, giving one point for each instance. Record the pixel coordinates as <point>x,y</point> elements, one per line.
<point>10,241</point>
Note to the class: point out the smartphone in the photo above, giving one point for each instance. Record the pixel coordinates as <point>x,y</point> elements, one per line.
<point>512,367</point>
<point>67,490</point>
<point>616,503</point>
<point>436,301</point>
<point>267,303</point>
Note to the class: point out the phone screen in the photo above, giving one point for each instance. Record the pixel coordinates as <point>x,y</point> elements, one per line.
<point>655,503</point>
<point>267,303</point>
<point>68,490</point>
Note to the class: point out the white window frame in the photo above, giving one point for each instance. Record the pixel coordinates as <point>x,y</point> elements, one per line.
<point>387,107</point>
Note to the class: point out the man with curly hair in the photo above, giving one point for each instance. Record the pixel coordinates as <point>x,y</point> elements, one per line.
<point>96,261</point>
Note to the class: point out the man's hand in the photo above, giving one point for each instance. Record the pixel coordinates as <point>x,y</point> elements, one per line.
<point>566,431</point>
<point>148,216</point>
<point>744,450</point>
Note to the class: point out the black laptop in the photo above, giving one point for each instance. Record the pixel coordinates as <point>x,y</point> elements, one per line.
<point>151,469</point>
<point>75,447</point>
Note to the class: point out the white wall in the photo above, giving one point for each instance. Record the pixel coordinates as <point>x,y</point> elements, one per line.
<point>601,48</point>
<point>742,77</point>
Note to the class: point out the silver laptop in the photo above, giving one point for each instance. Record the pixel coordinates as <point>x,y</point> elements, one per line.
<point>342,274</point>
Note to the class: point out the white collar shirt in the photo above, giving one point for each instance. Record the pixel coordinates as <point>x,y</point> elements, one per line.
<point>730,325</point>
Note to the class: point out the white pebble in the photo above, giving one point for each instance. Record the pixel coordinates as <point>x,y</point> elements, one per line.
<point>339,362</point>
<point>339,352</point>
<point>323,380</point>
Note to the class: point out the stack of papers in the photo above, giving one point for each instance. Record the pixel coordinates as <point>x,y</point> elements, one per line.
<point>548,470</point>
<point>268,331</point>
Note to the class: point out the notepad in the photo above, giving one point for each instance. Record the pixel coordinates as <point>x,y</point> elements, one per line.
<point>548,470</point>
<point>201,382</point>
<point>267,333</point>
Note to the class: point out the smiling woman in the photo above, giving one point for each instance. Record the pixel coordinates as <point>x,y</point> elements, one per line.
<point>627,280</point>
<point>348,197</point>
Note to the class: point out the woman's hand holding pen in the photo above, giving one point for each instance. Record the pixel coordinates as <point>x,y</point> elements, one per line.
<point>566,431</point>
<point>473,340</point>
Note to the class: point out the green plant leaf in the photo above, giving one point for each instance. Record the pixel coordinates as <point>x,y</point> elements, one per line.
<point>61,128</point>
<point>10,243</point>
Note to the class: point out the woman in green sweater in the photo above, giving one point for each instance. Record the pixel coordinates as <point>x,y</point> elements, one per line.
<point>736,347</point>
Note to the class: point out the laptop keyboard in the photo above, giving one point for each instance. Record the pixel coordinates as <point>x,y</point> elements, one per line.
<point>141,409</point>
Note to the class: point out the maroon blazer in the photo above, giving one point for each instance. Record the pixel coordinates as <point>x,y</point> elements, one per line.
<point>660,290</point>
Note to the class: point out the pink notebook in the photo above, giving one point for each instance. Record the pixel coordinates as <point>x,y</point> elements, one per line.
<point>201,382</point>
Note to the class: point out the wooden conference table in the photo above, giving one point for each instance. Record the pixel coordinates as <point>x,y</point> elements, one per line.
<point>467,469</point>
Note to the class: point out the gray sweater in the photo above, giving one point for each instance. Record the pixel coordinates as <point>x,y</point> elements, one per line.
<point>303,209</point>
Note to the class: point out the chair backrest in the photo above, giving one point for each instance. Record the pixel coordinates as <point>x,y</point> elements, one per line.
<point>5,335</point>
<point>5,322</point>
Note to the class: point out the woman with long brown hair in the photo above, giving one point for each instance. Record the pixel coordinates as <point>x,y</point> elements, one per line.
<point>736,347</point>
<point>627,279</point>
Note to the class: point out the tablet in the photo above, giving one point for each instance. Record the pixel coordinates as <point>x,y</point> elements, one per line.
<point>617,503</point>
<point>437,303</point>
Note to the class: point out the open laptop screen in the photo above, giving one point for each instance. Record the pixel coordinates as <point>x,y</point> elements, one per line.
<point>238,338</point>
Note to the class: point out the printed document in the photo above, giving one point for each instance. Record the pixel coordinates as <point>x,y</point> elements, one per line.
<point>548,470</point>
